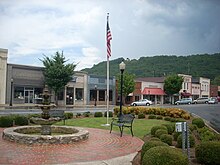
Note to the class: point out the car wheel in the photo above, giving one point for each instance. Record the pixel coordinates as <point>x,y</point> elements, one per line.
<point>134,104</point>
<point>189,103</point>
<point>206,102</point>
<point>177,103</point>
<point>147,104</point>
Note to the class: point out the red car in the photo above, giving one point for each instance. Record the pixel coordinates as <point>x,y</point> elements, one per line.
<point>218,98</point>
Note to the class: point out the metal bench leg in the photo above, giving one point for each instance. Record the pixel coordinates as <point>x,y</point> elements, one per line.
<point>121,130</point>
<point>111,129</point>
<point>132,132</point>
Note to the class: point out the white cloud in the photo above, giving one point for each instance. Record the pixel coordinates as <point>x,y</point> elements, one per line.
<point>139,28</point>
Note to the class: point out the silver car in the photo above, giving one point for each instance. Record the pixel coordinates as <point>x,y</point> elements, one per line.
<point>213,100</point>
<point>201,100</point>
<point>142,103</point>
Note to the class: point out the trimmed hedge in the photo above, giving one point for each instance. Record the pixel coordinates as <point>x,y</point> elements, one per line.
<point>68,115</point>
<point>168,112</point>
<point>152,117</point>
<point>6,121</point>
<point>149,144</point>
<point>208,153</point>
<point>170,128</point>
<point>166,139</point>
<point>160,132</point>
<point>198,122</point>
<point>155,128</point>
<point>141,116</point>
<point>191,141</point>
<point>163,155</point>
<point>98,114</point>
<point>110,114</point>
<point>21,120</point>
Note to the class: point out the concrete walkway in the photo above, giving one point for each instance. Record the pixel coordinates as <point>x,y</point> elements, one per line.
<point>102,148</point>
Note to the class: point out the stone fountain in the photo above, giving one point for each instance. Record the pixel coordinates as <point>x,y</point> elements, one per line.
<point>43,133</point>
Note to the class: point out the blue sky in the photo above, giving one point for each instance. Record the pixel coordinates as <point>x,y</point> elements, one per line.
<point>33,28</point>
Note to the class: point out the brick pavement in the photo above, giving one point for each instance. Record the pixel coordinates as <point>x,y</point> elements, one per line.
<point>101,145</point>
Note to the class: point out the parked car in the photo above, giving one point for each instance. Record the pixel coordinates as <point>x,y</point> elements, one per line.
<point>142,103</point>
<point>201,100</point>
<point>213,100</point>
<point>184,101</point>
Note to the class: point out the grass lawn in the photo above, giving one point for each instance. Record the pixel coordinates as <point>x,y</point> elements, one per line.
<point>141,127</point>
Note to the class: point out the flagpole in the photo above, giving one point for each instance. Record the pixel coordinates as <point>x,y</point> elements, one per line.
<point>107,82</point>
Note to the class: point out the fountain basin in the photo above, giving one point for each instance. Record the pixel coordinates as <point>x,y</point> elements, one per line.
<point>31,135</point>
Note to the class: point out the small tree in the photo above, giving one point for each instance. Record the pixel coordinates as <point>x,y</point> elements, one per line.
<point>56,73</point>
<point>128,84</point>
<point>172,85</point>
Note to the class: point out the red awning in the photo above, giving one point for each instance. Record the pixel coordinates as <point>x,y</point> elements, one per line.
<point>185,94</point>
<point>153,91</point>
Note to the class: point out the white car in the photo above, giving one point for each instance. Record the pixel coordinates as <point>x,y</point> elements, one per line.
<point>213,100</point>
<point>142,103</point>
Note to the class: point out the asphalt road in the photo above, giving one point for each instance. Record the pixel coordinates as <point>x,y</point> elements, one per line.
<point>209,112</point>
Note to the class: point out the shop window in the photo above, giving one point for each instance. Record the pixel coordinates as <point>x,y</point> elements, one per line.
<point>19,92</point>
<point>110,95</point>
<point>79,94</point>
<point>93,95</point>
<point>101,95</point>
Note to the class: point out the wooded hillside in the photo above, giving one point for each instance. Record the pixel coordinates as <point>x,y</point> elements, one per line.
<point>204,65</point>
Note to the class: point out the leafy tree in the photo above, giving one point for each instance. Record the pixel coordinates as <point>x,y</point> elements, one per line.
<point>56,73</point>
<point>128,84</point>
<point>173,84</point>
<point>216,81</point>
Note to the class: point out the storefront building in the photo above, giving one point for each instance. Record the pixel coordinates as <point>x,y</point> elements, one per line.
<point>21,84</point>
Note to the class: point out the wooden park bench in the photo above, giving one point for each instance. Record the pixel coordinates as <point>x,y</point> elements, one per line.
<point>58,113</point>
<point>123,121</point>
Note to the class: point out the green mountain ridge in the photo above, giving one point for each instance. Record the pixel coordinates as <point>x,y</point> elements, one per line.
<point>201,65</point>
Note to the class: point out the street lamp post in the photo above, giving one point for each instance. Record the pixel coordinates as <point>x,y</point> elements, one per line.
<point>11,92</point>
<point>122,68</point>
<point>95,94</point>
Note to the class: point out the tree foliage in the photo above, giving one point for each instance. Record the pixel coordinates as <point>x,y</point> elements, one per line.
<point>57,74</point>
<point>202,65</point>
<point>173,84</point>
<point>128,83</point>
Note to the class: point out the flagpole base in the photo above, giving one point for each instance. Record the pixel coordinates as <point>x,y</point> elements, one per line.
<point>105,125</point>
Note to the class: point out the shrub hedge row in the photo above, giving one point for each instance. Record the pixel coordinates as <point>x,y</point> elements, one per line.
<point>169,112</point>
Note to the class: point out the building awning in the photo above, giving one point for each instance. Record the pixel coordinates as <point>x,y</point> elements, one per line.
<point>153,91</point>
<point>185,94</point>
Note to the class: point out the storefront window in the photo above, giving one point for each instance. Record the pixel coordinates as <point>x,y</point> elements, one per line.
<point>19,92</point>
<point>79,94</point>
<point>110,95</point>
<point>101,95</point>
<point>93,95</point>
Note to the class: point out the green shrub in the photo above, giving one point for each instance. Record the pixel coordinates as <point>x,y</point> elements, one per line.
<point>141,116</point>
<point>154,139</point>
<point>155,128</point>
<point>6,121</point>
<point>166,139</point>
<point>86,114</point>
<point>68,115</point>
<point>192,127</point>
<point>160,132</point>
<point>149,144</point>
<point>21,120</point>
<point>208,153</point>
<point>110,114</point>
<point>206,135</point>
<point>191,141</point>
<point>167,118</point>
<point>78,114</point>
<point>98,114</point>
<point>159,117</point>
<point>152,117</point>
<point>175,135</point>
<point>170,128</point>
<point>198,122</point>
<point>173,119</point>
<point>163,155</point>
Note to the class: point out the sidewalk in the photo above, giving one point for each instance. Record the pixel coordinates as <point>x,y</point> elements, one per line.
<point>101,148</point>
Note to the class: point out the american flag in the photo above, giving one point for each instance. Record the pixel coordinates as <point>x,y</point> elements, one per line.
<point>108,38</point>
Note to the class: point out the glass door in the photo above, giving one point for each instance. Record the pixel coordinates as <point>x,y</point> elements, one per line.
<point>69,95</point>
<point>29,95</point>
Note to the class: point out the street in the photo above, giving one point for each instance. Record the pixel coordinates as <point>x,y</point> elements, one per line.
<point>209,112</point>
